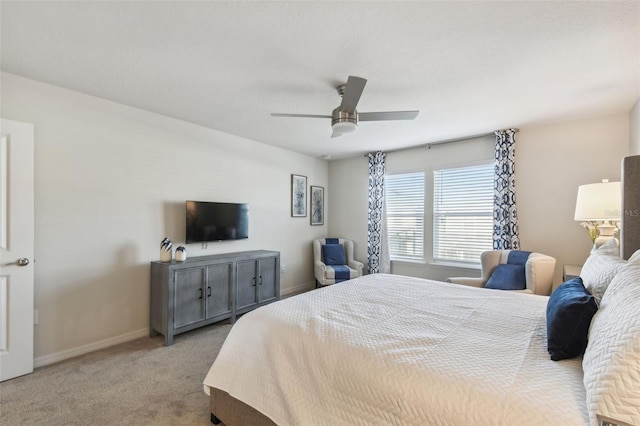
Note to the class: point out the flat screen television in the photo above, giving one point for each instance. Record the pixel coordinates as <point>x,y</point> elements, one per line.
<point>208,221</point>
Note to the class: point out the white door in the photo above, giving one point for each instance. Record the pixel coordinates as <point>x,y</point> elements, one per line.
<point>16,248</point>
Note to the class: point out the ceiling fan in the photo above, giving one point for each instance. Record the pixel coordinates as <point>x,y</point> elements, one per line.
<point>344,119</point>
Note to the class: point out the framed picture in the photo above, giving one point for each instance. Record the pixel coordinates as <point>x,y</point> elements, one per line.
<point>317,205</point>
<point>298,196</point>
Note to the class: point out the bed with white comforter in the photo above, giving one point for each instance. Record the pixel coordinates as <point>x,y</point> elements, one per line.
<point>387,349</point>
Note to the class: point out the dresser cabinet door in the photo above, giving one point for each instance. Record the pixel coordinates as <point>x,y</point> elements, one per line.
<point>218,290</point>
<point>188,306</point>
<point>247,282</point>
<point>267,288</point>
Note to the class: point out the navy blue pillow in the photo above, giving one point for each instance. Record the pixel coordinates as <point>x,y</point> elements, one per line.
<point>569,312</point>
<point>507,277</point>
<point>333,254</point>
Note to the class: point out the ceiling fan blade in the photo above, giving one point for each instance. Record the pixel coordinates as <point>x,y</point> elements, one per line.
<point>352,93</point>
<point>388,115</point>
<point>277,114</point>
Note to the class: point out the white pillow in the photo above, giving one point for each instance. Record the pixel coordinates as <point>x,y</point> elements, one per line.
<point>610,247</point>
<point>611,361</point>
<point>600,268</point>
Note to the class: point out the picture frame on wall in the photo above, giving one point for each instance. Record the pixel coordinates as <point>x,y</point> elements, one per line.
<point>317,205</point>
<point>298,196</point>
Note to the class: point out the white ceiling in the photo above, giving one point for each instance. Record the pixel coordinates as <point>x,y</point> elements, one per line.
<point>469,67</point>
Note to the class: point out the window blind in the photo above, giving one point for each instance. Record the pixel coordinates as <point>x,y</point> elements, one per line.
<point>462,213</point>
<point>404,195</point>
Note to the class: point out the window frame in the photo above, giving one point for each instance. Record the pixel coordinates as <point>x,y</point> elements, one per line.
<point>436,215</point>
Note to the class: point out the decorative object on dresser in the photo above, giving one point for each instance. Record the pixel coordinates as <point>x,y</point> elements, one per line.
<point>181,254</point>
<point>598,209</point>
<point>206,289</point>
<point>512,265</point>
<point>165,250</point>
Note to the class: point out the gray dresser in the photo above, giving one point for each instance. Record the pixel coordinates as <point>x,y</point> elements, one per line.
<point>206,289</point>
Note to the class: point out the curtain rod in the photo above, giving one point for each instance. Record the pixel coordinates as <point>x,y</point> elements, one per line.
<point>481,135</point>
<point>428,145</point>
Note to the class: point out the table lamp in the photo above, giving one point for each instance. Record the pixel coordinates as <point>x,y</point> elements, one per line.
<point>598,207</point>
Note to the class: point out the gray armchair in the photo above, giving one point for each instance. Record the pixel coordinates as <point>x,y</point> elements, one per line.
<point>538,269</point>
<point>333,261</point>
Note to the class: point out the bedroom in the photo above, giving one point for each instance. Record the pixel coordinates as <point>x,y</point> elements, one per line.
<point>110,177</point>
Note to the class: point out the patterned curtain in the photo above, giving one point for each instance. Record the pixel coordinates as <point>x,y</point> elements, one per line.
<point>377,243</point>
<point>505,216</point>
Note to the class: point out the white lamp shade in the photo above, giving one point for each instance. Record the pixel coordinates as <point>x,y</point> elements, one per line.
<point>599,201</point>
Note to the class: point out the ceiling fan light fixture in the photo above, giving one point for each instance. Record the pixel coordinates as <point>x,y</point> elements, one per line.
<point>343,127</point>
<point>344,122</point>
<point>344,119</point>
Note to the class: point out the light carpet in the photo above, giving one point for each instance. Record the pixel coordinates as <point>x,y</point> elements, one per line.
<point>141,382</point>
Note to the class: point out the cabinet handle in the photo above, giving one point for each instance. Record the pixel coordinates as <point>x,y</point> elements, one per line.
<point>260,279</point>
<point>200,291</point>
<point>254,282</point>
<point>209,291</point>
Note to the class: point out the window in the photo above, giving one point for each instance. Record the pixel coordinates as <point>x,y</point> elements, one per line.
<point>405,215</point>
<point>462,213</point>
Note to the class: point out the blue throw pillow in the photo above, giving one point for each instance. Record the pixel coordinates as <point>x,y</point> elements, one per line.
<point>507,277</point>
<point>569,312</point>
<point>333,254</point>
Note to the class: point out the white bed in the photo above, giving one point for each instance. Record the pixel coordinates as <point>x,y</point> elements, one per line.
<point>393,350</point>
<point>387,349</point>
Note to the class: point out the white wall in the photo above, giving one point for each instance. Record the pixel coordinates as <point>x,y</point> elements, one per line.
<point>347,203</point>
<point>551,162</point>
<point>111,182</point>
<point>634,129</point>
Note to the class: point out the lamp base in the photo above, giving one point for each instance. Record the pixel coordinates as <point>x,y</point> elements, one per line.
<point>607,229</point>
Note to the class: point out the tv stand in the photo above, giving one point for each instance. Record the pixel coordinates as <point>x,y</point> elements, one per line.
<point>206,289</point>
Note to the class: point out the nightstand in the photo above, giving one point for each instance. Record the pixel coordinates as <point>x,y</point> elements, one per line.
<point>570,272</point>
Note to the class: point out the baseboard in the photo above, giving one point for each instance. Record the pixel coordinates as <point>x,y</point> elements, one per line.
<point>91,347</point>
<point>41,361</point>
<point>300,288</point>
